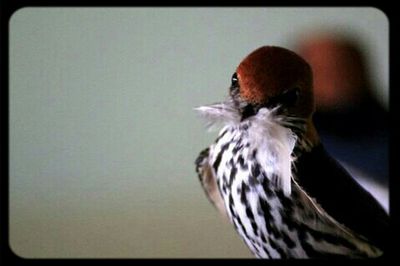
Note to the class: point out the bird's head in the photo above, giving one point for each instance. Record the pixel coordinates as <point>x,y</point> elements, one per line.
<point>273,77</point>
<point>271,102</point>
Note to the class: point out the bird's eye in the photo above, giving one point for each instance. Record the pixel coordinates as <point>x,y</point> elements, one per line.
<point>235,80</point>
<point>289,97</point>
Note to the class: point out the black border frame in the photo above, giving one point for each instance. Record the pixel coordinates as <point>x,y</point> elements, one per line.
<point>7,9</point>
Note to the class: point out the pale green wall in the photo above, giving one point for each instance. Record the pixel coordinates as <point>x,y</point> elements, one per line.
<point>102,132</point>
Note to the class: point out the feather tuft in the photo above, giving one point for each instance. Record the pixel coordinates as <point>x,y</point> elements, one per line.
<point>219,114</point>
<point>275,144</point>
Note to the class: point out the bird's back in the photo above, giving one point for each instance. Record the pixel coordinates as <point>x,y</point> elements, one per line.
<point>341,196</point>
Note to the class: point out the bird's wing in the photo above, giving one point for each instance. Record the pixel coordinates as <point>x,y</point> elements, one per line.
<point>324,179</point>
<point>208,181</point>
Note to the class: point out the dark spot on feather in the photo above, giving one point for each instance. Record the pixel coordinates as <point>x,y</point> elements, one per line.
<point>224,178</point>
<point>275,232</point>
<point>254,154</point>
<point>287,205</point>
<point>219,186</point>
<point>232,175</point>
<point>263,239</point>
<point>255,170</point>
<point>231,206</point>
<point>269,219</point>
<point>224,189</point>
<point>240,159</point>
<point>265,210</point>
<point>203,154</point>
<point>224,147</point>
<point>330,238</point>
<point>254,226</point>
<point>249,213</point>
<point>252,181</point>
<point>237,148</point>
<point>309,250</point>
<point>243,198</point>
<point>288,221</point>
<point>245,187</point>
<point>266,252</point>
<point>288,241</point>
<point>255,247</point>
<point>266,186</point>
<point>241,162</point>
<point>221,135</point>
<point>277,248</point>
<point>217,161</point>
<point>302,231</point>
<point>242,227</point>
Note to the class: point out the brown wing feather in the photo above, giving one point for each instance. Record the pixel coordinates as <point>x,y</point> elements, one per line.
<point>209,183</point>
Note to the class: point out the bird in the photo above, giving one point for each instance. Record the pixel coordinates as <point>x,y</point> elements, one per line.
<point>269,175</point>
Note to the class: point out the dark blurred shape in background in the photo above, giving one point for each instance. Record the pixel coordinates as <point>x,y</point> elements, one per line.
<point>352,124</point>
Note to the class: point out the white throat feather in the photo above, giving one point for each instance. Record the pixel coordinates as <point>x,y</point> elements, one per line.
<point>273,141</point>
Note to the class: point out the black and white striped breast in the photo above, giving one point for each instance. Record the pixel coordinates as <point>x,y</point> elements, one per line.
<point>253,206</point>
<point>273,224</point>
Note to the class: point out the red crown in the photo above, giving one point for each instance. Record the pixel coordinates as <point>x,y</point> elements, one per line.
<point>270,70</point>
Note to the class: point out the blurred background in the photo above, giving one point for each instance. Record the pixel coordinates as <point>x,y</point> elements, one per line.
<point>103,135</point>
